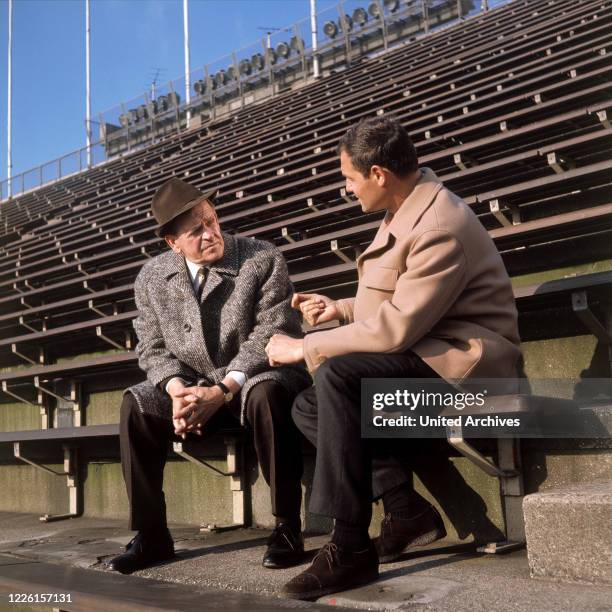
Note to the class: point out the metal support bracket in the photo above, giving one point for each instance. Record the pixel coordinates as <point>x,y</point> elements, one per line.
<point>71,472</point>
<point>494,206</point>
<point>15,351</point>
<point>511,484</point>
<point>6,390</point>
<point>286,235</point>
<point>580,305</point>
<point>335,249</point>
<point>454,435</point>
<point>463,162</point>
<point>110,341</point>
<point>23,323</point>
<point>234,471</point>
<point>311,205</point>
<point>602,116</point>
<point>345,196</point>
<point>93,308</point>
<point>560,163</point>
<point>74,398</point>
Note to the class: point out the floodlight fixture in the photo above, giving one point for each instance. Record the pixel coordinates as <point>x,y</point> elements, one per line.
<point>257,61</point>
<point>374,10</point>
<point>199,87</point>
<point>245,67</point>
<point>133,115</point>
<point>124,120</point>
<point>232,73</point>
<point>392,5</point>
<point>296,43</point>
<point>330,29</point>
<point>220,78</point>
<point>346,23</point>
<point>283,50</point>
<point>173,99</point>
<point>271,54</point>
<point>360,16</point>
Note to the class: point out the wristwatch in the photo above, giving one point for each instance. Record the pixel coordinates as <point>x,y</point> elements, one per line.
<point>228,396</point>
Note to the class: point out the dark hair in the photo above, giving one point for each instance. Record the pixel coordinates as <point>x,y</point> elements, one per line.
<point>379,141</point>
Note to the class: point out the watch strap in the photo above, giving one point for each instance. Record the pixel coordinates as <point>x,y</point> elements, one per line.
<point>228,396</point>
<point>223,388</point>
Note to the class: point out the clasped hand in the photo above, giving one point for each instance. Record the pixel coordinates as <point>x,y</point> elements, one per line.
<point>193,407</point>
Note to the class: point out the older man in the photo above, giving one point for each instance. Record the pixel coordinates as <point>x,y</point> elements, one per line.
<point>433,300</point>
<point>206,310</point>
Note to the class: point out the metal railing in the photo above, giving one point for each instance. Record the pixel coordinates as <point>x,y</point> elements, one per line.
<point>346,31</point>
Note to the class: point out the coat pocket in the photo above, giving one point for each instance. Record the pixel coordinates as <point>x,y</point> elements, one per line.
<point>383,279</point>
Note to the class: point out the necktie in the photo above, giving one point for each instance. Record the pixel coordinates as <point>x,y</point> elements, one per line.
<point>202,279</point>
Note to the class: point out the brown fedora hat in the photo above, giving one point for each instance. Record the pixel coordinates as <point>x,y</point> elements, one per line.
<point>174,198</point>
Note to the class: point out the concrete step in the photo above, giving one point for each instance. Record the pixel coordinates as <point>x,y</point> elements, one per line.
<point>74,589</point>
<point>569,533</point>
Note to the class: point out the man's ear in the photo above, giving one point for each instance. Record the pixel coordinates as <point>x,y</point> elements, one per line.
<point>379,175</point>
<point>171,242</point>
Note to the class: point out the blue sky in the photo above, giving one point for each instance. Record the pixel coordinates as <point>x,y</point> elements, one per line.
<point>130,39</point>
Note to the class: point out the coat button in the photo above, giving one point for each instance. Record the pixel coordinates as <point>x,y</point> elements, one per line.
<point>187,327</point>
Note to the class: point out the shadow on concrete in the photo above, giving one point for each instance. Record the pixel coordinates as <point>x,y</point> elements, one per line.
<point>468,550</point>
<point>190,553</point>
<point>457,557</point>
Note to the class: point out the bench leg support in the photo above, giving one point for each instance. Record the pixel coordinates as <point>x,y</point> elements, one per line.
<point>73,482</point>
<point>235,472</point>
<point>511,483</point>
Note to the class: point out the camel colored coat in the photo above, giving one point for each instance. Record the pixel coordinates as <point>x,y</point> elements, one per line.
<point>431,281</point>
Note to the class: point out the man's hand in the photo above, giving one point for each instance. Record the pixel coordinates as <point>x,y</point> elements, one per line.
<point>283,349</point>
<point>193,407</point>
<point>174,389</point>
<point>316,308</point>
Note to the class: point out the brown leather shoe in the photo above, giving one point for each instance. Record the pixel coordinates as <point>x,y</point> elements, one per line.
<point>398,536</point>
<point>334,569</point>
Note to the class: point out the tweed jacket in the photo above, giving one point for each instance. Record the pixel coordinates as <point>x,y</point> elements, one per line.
<point>245,299</point>
<point>431,281</point>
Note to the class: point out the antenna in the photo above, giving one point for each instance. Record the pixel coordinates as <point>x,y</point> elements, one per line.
<point>154,79</point>
<point>268,30</point>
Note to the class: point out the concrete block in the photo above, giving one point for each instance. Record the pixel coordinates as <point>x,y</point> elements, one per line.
<point>569,533</point>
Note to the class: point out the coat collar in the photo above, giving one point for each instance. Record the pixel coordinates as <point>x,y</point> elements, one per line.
<point>414,205</point>
<point>228,264</point>
<point>406,217</point>
<point>178,275</point>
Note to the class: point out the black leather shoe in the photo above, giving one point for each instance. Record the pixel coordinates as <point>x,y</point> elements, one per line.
<point>334,569</point>
<point>143,551</point>
<point>285,548</point>
<point>398,536</point>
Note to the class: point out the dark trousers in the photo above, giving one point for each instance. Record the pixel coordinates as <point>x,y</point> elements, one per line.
<point>144,447</point>
<point>350,471</point>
